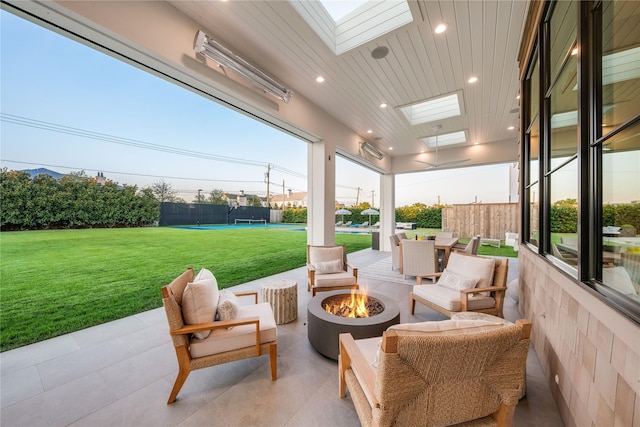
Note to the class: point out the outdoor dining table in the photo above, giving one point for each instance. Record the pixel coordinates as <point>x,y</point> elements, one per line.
<point>445,245</point>
<point>442,244</point>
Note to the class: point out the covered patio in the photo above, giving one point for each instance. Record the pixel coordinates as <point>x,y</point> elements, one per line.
<point>121,373</point>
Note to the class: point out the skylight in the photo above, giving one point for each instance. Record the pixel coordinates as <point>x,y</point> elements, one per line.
<point>338,9</point>
<point>446,139</point>
<point>620,66</point>
<point>432,110</point>
<point>346,24</point>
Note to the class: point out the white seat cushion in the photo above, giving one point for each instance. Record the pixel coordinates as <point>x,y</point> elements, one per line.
<point>449,299</point>
<point>334,279</point>
<point>221,340</point>
<point>370,349</point>
<point>472,266</point>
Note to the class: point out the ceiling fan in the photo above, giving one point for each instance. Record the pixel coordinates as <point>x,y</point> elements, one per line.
<point>436,164</point>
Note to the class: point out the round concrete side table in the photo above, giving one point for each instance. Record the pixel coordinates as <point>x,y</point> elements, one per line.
<point>282,295</point>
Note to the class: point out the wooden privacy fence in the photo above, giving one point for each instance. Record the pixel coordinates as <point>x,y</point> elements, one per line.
<point>490,220</point>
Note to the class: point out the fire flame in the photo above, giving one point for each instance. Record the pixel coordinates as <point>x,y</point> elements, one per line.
<point>351,307</point>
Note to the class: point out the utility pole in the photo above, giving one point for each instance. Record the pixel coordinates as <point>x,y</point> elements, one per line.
<point>372,198</point>
<point>267,178</point>
<point>358,195</point>
<point>283,196</point>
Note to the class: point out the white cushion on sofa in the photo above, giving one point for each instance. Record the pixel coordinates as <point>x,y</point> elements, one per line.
<point>221,340</point>
<point>199,302</point>
<point>448,327</point>
<point>449,299</point>
<point>228,305</point>
<point>472,266</point>
<point>319,255</point>
<point>328,267</point>
<point>335,279</point>
<point>452,280</point>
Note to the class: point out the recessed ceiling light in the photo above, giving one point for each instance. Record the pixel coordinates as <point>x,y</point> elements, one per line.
<point>574,51</point>
<point>379,52</point>
<point>383,105</point>
<point>476,143</point>
<point>320,79</point>
<point>473,79</point>
<point>511,128</point>
<point>517,96</point>
<point>390,148</point>
<point>440,28</point>
<point>369,131</point>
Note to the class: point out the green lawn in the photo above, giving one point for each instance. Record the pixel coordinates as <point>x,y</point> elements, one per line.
<point>503,250</point>
<point>58,281</point>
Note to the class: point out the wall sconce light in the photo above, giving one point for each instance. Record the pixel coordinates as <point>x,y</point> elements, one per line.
<point>213,50</point>
<point>371,150</point>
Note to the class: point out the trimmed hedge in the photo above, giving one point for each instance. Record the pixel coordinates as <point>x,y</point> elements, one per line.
<point>564,219</point>
<point>72,202</point>
<point>422,215</point>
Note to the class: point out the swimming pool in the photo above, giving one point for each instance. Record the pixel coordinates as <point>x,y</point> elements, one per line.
<point>235,226</point>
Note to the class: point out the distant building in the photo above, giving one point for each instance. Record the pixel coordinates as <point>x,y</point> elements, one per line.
<point>290,199</point>
<point>100,178</point>
<point>43,171</point>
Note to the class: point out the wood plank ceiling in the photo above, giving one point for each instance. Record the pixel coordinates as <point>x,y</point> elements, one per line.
<point>482,39</point>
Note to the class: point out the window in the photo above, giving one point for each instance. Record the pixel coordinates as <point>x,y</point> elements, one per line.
<point>582,146</point>
<point>532,138</point>
<point>617,64</point>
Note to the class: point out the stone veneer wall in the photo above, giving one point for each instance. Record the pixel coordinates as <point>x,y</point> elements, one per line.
<point>593,350</point>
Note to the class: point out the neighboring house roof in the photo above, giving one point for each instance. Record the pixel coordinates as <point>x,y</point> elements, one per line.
<point>290,197</point>
<point>43,171</point>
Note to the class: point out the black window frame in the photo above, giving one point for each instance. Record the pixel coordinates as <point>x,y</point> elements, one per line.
<point>589,155</point>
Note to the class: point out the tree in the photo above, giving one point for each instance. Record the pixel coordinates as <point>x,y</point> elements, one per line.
<point>163,192</point>
<point>217,197</point>
<point>78,174</point>
<point>254,201</point>
<point>571,203</point>
<point>71,202</point>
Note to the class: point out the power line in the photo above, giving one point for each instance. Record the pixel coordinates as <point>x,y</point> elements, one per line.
<point>125,173</point>
<point>72,168</point>
<point>53,127</point>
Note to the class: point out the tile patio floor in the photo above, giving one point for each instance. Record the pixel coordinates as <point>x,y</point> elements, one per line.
<point>121,373</point>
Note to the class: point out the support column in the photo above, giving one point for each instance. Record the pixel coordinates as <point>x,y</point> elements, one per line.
<point>321,191</point>
<point>387,210</point>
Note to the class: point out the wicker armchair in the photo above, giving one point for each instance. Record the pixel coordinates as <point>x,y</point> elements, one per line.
<point>327,269</point>
<point>395,251</point>
<point>468,248</point>
<point>419,258</point>
<point>252,334</point>
<point>477,378</point>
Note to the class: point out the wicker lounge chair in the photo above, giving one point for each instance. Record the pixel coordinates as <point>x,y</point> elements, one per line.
<point>478,376</point>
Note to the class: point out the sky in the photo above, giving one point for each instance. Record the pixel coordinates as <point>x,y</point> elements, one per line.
<point>67,107</point>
